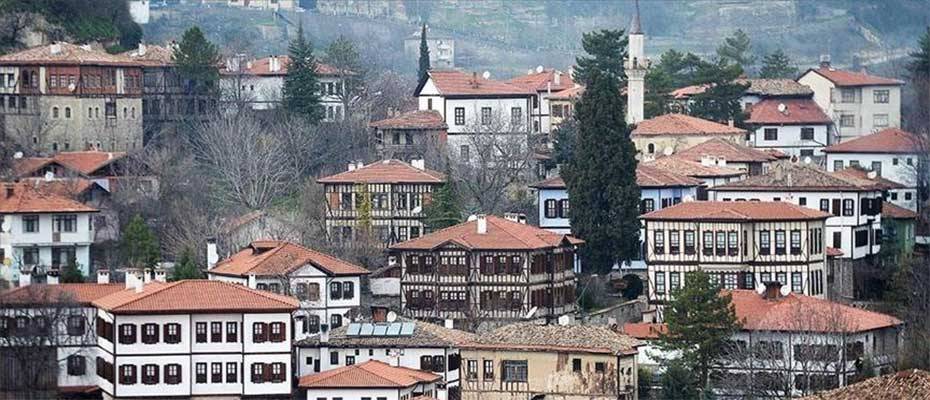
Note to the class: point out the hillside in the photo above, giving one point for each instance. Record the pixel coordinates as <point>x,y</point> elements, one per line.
<point>26,23</point>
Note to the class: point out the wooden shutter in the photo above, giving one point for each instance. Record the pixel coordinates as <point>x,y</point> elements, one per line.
<point>266,372</point>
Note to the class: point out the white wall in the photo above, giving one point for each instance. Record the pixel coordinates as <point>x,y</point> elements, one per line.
<point>789,139</point>
<point>829,98</point>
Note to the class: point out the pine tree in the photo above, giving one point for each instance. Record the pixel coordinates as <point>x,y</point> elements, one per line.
<point>423,72</point>
<point>196,59</point>
<point>601,178</point>
<point>607,49</point>
<point>700,321</point>
<point>919,68</point>
<point>443,210</point>
<point>138,244</point>
<point>186,267</point>
<point>777,65</point>
<point>71,273</point>
<point>721,101</point>
<point>566,136</point>
<point>737,49</point>
<point>343,55</point>
<point>677,382</point>
<point>301,91</point>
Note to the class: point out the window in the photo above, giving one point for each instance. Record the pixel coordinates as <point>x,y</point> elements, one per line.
<point>258,373</point>
<point>200,329</point>
<point>849,207</point>
<point>150,374</point>
<point>658,242</point>
<point>732,243</point>
<point>837,205</point>
<point>837,165</point>
<point>674,281</point>
<point>277,373</point>
<point>779,242</point>
<point>429,104</point>
<point>862,238</point>
<point>489,370</point>
<point>782,278</point>
<point>216,332</point>
<point>216,372</point>
<point>765,243</point>
<point>847,121</point>
<point>795,242</point>
<point>30,223</point>
<point>796,282</point>
<point>149,333</point>
<point>460,115</point>
<point>127,374</point>
<point>259,332</point>
<point>908,196</point>
<point>564,208</point>
<point>647,206</point>
<point>689,242</point>
<point>516,116</point>
<point>173,374</point>
<point>68,112</point>
<point>127,334</point>
<point>674,242</point>
<point>335,321</point>
<point>807,133</point>
<point>802,201</point>
<point>600,367</point>
<point>75,325</point>
<point>708,244</point>
<point>513,371</point>
<point>881,96</point>
<point>471,372</point>
<point>660,283</point>
<point>838,240</point>
<point>485,115</point>
<point>232,332</point>
<point>30,256</point>
<point>335,290</point>
<point>54,112</point>
<point>550,208</point>
<point>771,133</point>
<point>277,332</point>
<point>879,120</point>
<point>232,372</point>
<point>721,243</point>
<point>847,95</point>
<point>76,365</point>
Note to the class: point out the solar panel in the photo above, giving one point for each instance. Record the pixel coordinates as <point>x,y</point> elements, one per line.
<point>366,330</point>
<point>393,329</point>
<point>353,329</point>
<point>380,330</point>
<point>406,328</point>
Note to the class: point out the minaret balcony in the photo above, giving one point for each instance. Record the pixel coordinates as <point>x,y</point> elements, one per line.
<point>637,63</point>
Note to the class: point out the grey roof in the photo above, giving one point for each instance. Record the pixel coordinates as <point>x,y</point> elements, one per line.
<point>776,88</point>
<point>530,336</point>
<point>787,175</point>
<point>424,334</point>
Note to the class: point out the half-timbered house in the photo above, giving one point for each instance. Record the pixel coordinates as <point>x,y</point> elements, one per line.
<point>741,244</point>
<point>487,270</point>
<point>390,194</point>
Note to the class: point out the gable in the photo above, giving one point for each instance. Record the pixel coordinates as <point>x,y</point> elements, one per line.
<point>308,270</point>
<point>428,89</point>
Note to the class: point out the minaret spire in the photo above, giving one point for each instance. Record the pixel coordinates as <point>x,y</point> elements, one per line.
<point>635,66</point>
<point>635,27</point>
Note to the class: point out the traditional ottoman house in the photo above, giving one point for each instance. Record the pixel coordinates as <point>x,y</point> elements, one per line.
<point>709,172</point>
<point>328,289</point>
<point>487,271</point>
<point>544,82</point>
<point>371,380</point>
<point>390,194</point>
<point>403,343</point>
<point>740,244</point>
<point>575,361</point>
<point>670,133</point>
<point>724,153</point>
<point>891,153</point>
<point>410,136</point>
<point>797,127</point>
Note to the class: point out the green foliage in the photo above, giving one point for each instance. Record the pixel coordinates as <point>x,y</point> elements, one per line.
<point>601,177</point>
<point>424,66</point>
<point>566,137</point>
<point>186,267</point>
<point>737,49</point>
<point>676,70</point>
<point>197,58</point>
<point>720,102</point>
<point>920,59</point>
<point>85,20</point>
<point>700,321</point>
<point>71,272</point>
<point>678,382</point>
<point>343,54</point>
<point>443,210</point>
<point>364,207</point>
<point>606,49</point>
<point>301,92</point>
<point>644,381</point>
<point>777,65</point>
<point>138,244</point>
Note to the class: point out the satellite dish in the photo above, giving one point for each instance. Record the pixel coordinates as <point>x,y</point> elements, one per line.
<point>807,160</point>
<point>49,175</point>
<point>760,287</point>
<point>872,174</point>
<point>472,217</point>
<point>785,290</point>
<point>531,313</point>
<point>417,209</point>
<point>540,69</point>
<point>668,151</point>
<point>782,108</point>
<point>391,316</point>
<point>17,155</point>
<point>486,74</point>
<point>71,87</point>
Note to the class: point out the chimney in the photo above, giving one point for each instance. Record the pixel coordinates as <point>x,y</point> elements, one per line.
<point>54,49</point>
<point>379,314</point>
<point>147,275</point>
<point>779,173</point>
<point>772,290</point>
<point>103,276</point>
<point>51,277</point>
<point>482,223</point>
<point>449,324</point>
<point>212,256</point>
<point>519,218</point>
<point>25,276</point>
<point>351,166</point>
<point>707,160</point>
<point>825,61</point>
<point>324,333</point>
<point>161,275</point>
<point>142,49</point>
<point>9,190</point>
<point>418,163</point>
<point>134,279</point>
<point>557,78</point>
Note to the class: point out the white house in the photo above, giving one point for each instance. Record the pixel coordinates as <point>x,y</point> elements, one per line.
<point>370,380</point>
<point>891,153</point>
<point>259,83</point>
<point>740,244</point>
<point>670,133</point>
<point>857,102</point>
<point>404,343</point>
<point>473,105</point>
<point>797,127</point>
<point>42,231</point>
<point>543,83</point>
<point>854,226</point>
<point>328,288</point>
<point>193,338</point>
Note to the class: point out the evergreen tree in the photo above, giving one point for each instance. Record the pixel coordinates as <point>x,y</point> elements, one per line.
<point>364,208</point>
<point>138,244</point>
<point>919,121</point>
<point>737,49</point>
<point>607,49</point>
<point>301,91</point>
<point>601,177</point>
<point>566,136</point>
<point>700,321</point>
<point>444,209</point>
<point>721,101</point>
<point>677,382</point>
<point>71,273</point>
<point>196,59</point>
<point>777,65</point>
<point>422,73</point>
<point>343,55</point>
<point>920,63</point>
<point>186,267</point>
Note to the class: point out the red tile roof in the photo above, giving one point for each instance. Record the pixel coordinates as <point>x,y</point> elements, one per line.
<point>386,171</point>
<point>555,182</point>
<point>799,313</point>
<point>850,78</point>
<point>276,258</point>
<point>83,162</point>
<point>644,330</point>
<point>65,293</point>
<point>892,211</point>
<point>195,296</point>
<point>863,175</point>
<point>152,56</point>
<point>29,165</point>
<point>796,112</point>
<point>68,54</point>
<point>688,91</point>
<point>543,81</point>
<point>681,124</point>
<point>530,336</point>
<point>66,187</point>
<point>501,234</point>
<point>912,384</point>
<point>422,119</point>
<point>369,374</point>
<point>262,67</point>
<point>649,176</point>
<point>568,94</point>
<point>736,211</point>
<point>789,176</point>
<point>29,197</point>
<point>890,141</point>
<point>725,149</point>
<point>693,169</point>
<point>456,83</point>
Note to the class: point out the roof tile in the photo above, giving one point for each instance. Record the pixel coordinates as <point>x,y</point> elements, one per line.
<point>457,83</point>
<point>819,315</point>
<point>273,258</point>
<point>421,119</point>
<point>543,81</point>
<point>725,149</point>
<point>693,169</point>
<point>80,293</point>
<point>911,384</point>
<point>195,296</point>
<point>787,175</point>
<point>850,78</point>
<point>735,211</point>
<point>386,171</point>
<point>796,112</point>
<point>369,374</point>
<point>892,211</point>
<point>32,197</point>
<point>425,334</point>
<point>891,141</point>
<point>501,234</point>
<point>681,124</point>
<point>68,54</point>
<point>530,336</point>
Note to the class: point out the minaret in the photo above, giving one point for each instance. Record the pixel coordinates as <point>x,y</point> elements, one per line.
<point>635,67</point>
